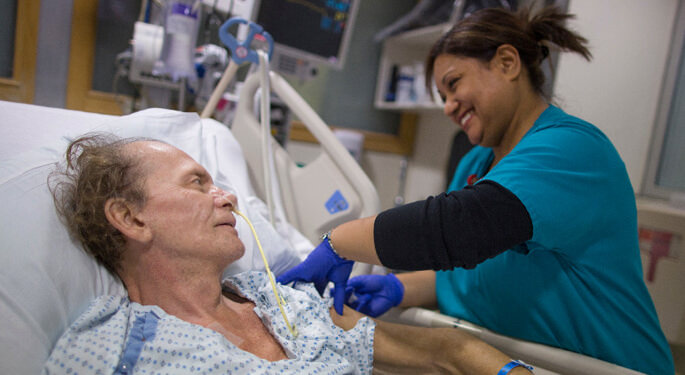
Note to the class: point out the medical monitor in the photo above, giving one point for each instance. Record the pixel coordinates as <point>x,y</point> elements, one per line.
<point>312,32</point>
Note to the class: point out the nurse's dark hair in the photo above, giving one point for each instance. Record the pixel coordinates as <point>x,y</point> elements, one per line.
<point>97,168</point>
<point>481,33</point>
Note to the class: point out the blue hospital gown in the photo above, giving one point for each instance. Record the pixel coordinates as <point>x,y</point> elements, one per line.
<point>116,336</point>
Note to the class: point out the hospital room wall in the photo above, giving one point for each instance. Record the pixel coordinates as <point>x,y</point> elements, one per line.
<point>618,91</point>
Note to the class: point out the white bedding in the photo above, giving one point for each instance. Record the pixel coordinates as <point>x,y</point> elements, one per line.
<point>46,279</point>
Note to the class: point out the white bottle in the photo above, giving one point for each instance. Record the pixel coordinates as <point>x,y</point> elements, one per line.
<point>405,85</point>
<point>179,43</point>
<point>420,83</point>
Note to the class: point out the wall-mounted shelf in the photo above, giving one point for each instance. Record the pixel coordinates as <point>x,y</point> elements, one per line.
<point>406,49</point>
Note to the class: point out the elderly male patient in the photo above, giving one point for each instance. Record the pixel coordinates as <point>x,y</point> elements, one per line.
<point>152,215</point>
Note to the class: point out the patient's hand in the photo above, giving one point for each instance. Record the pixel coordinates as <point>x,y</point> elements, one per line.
<point>348,320</point>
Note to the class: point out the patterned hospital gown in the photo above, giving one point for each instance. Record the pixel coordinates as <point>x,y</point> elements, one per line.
<point>116,336</point>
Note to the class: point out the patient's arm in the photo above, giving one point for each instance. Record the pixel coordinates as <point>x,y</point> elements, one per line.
<point>406,349</point>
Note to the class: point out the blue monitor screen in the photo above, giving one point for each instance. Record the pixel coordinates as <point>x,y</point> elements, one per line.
<point>318,28</point>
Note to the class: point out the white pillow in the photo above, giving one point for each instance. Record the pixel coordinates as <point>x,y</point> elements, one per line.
<point>46,279</point>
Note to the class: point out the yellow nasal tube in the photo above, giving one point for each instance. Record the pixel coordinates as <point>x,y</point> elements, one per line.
<point>281,302</point>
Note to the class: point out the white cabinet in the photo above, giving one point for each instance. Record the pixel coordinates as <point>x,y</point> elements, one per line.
<point>408,49</point>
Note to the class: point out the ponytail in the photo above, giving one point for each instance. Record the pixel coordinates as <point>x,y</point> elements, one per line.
<point>549,25</point>
<point>479,35</point>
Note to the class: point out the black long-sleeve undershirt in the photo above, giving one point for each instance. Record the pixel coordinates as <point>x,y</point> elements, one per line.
<point>457,229</point>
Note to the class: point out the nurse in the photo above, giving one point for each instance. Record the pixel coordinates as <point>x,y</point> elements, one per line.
<point>537,236</point>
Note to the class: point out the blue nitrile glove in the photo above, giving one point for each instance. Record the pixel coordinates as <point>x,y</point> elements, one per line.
<point>321,266</point>
<point>375,294</point>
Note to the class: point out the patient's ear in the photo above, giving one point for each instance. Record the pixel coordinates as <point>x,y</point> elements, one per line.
<point>123,216</point>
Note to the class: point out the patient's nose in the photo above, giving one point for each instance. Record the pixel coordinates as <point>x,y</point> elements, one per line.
<point>222,198</point>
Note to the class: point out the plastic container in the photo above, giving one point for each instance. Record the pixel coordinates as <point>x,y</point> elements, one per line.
<point>180,29</point>
<point>405,85</point>
<point>353,142</point>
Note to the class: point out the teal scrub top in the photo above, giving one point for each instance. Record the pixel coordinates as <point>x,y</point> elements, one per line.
<point>578,283</point>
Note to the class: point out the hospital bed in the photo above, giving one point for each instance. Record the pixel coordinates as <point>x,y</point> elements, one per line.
<point>47,281</point>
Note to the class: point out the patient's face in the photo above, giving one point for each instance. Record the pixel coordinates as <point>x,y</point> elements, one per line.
<point>188,215</point>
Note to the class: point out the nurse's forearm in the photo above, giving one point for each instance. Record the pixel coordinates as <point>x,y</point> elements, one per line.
<point>354,240</point>
<point>419,289</point>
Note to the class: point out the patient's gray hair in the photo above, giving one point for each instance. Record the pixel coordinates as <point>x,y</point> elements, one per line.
<point>97,168</point>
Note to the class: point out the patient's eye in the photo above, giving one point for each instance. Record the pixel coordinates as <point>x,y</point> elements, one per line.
<point>198,178</point>
<point>196,182</point>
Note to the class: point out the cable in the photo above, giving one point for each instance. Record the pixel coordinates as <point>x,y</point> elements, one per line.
<point>279,299</point>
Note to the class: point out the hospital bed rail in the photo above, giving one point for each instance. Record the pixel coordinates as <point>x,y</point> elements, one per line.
<point>328,191</point>
<point>546,359</point>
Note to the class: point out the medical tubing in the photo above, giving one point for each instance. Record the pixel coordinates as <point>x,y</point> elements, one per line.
<point>226,78</point>
<point>279,299</point>
<point>265,114</point>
